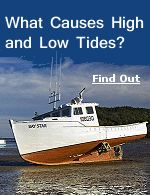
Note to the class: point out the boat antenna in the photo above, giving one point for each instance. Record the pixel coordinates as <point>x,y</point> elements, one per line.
<point>53,95</point>
<point>55,92</point>
<point>79,99</point>
<point>81,92</point>
<point>59,79</point>
<point>50,85</point>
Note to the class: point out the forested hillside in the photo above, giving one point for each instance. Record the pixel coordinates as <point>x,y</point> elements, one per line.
<point>123,115</point>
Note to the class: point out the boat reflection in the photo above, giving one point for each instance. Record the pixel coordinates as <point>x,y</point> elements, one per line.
<point>98,178</point>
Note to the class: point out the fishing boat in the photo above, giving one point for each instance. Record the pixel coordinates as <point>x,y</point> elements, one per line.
<point>71,133</point>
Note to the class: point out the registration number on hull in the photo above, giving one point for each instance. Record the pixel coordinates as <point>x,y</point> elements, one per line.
<point>87,118</point>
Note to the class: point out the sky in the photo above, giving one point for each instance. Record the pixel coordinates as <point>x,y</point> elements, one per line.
<point>25,72</point>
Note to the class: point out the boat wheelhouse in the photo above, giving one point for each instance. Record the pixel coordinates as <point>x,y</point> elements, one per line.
<point>82,112</point>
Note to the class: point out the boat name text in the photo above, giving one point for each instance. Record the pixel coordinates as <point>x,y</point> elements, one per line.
<point>37,126</point>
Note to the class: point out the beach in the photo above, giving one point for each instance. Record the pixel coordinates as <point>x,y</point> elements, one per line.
<point>129,176</point>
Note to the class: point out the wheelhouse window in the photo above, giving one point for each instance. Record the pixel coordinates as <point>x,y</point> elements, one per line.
<point>66,112</point>
<point>56,114</point>
<point>77,111</point>
<point>89,110</point>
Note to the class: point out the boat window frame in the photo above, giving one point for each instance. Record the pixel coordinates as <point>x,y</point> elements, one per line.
<point>77,111</point>
<point>63,110</point>
<point>89,111</point>
<point>53,114</point>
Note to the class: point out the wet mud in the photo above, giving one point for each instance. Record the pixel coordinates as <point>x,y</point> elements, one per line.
<point>129,176</point>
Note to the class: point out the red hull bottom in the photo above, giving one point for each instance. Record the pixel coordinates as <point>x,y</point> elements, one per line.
<point>80,153</point>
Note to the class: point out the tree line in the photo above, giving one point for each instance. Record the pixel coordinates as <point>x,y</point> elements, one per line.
<point>123,115</point>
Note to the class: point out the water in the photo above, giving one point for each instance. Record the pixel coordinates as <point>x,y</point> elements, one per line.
<point>130,176</point>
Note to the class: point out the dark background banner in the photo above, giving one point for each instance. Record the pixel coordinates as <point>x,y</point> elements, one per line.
<point>135,46</point>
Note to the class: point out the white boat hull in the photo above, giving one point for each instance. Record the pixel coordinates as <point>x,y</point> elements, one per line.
<point>58,142</point>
